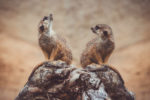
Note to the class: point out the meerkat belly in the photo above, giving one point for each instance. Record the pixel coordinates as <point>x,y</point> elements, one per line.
<point>48,45</point>
<point>105,49</point>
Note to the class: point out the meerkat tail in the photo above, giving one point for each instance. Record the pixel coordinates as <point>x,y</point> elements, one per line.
<point>50,30</point>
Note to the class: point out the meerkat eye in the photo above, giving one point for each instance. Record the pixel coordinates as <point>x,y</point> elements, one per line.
<point>45,18</point>
<point>96,27</point>
<point>105,33</point>
<point>42,28</point>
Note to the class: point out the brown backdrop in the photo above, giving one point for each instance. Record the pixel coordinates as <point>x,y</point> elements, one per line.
<point>19,51</point>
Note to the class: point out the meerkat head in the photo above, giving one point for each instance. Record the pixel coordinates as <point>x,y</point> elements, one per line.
<point>45,25</point>
<point>102,30</point>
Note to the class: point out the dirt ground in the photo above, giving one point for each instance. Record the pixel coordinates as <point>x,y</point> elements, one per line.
<point>19,51</point>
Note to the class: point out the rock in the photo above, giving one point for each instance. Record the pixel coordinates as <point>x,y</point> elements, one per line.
<point>58,81</point>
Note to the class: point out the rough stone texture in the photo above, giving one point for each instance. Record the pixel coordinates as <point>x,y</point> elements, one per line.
<point>58,81</point>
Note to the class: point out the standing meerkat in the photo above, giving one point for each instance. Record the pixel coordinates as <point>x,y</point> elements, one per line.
<point>100,48</point>
<point>53,46</point>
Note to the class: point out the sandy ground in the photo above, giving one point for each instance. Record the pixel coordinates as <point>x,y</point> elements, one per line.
<point>19,51</point>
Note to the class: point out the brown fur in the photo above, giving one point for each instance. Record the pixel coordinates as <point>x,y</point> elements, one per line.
<point>97,50</point>
<point>54,47</point>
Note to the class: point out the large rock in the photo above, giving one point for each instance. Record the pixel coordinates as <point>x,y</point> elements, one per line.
<point>58,81</point>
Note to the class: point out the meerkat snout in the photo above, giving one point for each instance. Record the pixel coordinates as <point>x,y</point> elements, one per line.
<point>93,30</point>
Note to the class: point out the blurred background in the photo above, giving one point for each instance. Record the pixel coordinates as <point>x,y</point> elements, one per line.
<point>20,53</point>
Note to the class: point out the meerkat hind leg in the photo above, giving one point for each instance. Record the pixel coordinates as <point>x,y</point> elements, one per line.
<point>106,59</point>
<point>54,54</point>
<point>46,55</point>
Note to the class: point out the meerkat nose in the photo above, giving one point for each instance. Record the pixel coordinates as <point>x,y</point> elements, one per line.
<point>51,17</point>
<point>93,30</point>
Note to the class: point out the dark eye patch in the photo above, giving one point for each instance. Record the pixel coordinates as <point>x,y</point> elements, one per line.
<point>42,28</point>
<point>105,33</point>
<point>96,27</point>
<point>45,18</point>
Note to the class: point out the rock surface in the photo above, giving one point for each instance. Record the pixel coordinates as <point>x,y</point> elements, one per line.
<point>58,81</point>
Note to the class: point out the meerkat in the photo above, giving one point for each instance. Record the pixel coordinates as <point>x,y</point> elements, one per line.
<point>100,48</point>
<point>53,46</point>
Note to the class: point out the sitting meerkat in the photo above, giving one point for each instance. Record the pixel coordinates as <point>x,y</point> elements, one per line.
<point>53,46</point>
<point>100,48</point>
